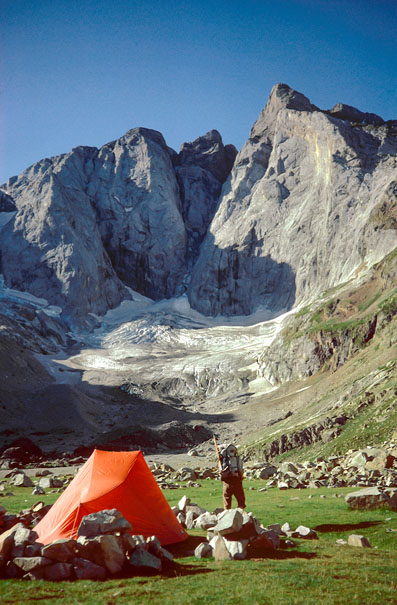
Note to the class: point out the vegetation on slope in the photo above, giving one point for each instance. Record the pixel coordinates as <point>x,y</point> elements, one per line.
<point>345,347</point>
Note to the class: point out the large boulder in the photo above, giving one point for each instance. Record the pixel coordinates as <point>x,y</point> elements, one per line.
<point>373,497</point>
<point>229,522</point>
<point>103,522</point>
<point>62,550</point>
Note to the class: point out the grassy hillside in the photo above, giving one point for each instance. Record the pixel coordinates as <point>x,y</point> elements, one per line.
<point>336,358</point>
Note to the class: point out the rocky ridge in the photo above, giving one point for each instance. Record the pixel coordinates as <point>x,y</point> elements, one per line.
<point>293,217</point>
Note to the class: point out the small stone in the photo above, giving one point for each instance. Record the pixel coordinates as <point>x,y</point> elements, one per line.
<point>305,532</point>
<point>360,541</point>
<point>229,522</point>
<point>58,571</point>
<point>203,550</point>
<point>38,491</point>
<point>183,502</point>
<point>164,554</point>
<point>189,519</point>
<point>341,542</point>
<point>33,550</point>
<point>105,550</point>
<point>182,519</point>
<point>60,550</point>
<point>22,537</point>
<point>206,520</point>
<point>112,552</point>
<point>103,522</point>
<point>7,543</point>
<point>153,545</point>
<point>277,528</point>
<point>30,563</point>
<point>50,482</point>
<point>130,543</point>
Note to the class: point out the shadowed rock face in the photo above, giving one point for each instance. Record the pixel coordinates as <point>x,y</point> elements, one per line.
<point>52,247</point>
<point>300,212</point>
<point>201,168</point>
<point>135,194</point>
<point>293,218</point>
<point>91,222</point>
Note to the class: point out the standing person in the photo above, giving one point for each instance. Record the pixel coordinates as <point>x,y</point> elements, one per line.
<point>232,476</point>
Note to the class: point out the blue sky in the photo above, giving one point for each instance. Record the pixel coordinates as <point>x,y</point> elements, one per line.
<point>83,72</point>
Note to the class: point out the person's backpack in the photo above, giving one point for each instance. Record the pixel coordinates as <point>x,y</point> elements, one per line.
<point>231,463</point>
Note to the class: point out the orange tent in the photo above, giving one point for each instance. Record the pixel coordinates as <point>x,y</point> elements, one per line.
<point>120,480</point>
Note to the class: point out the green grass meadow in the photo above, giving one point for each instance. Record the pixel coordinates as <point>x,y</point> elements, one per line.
<point>315,571</point>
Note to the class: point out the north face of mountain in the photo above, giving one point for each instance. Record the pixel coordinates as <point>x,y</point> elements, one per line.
<point>135,194</point>
<point>294,218</point>
<point>308,204</point>
<point>79,228</point>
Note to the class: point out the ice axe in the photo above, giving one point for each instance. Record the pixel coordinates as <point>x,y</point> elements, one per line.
<point>217,453</point>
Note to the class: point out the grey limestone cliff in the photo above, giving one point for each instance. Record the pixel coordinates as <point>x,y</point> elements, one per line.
<point>294,215</point>
<point>78,228</point>
<point>308,203</point>
<point>52,246</point>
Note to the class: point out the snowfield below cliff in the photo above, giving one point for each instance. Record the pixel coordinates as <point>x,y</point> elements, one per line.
<point>166,350</point>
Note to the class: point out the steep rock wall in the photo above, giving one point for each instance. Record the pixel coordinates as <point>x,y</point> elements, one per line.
<point>77,229</point>
<point>293,216</point>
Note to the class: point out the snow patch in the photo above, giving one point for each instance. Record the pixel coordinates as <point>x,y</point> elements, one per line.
<point>26,297</point>
<point>5,217</point>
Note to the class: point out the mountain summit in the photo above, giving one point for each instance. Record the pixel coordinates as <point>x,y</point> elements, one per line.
<point>292,214</point>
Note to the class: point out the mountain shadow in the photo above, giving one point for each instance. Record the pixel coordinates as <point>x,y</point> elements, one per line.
<point>237,280</point>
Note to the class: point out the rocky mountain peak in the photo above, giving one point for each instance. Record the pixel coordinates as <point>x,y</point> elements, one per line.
<point>131,137</point>
<point>294,217</point>
<point>281,97</point>
<point>209,153</point>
